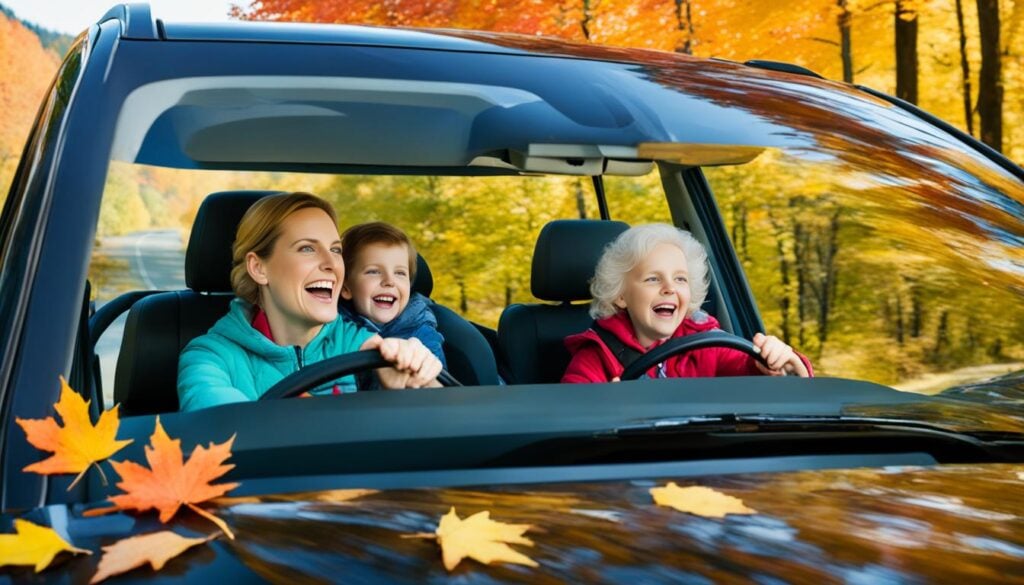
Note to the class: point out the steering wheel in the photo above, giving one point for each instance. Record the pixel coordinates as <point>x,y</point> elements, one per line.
<point>679,345</point>
<point>332,368</point>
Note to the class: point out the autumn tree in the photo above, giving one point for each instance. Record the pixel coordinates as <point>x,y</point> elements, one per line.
<point>26,71</point>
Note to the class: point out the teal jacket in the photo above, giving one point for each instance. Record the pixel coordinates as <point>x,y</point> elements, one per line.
<point>234,362</point>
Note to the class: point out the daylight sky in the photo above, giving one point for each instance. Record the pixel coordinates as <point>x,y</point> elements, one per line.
<point>73,16</point>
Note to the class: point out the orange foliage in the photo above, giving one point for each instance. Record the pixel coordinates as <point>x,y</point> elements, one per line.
<point>26,69</point>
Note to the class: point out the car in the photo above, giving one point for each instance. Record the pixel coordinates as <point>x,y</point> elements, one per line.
<point>882,242</point>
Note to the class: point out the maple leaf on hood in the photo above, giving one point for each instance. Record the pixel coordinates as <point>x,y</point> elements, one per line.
<point>76,445</point>
<point>154,549</point>
<point>33,545</point>
<point>170,482</point>
<point>480,538</point>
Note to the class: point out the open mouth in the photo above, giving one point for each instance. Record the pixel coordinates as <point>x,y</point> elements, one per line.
<point>384,301</point>
<point>322,290</point>
<point>665,310</point>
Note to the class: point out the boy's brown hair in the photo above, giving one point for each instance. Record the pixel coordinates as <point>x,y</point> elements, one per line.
<point>359,236</point>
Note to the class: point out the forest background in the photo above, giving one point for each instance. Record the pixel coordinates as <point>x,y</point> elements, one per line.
<point>959,59</point>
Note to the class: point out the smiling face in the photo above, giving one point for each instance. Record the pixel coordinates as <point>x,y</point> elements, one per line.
<point>656,293</point>
<point>378,282</point>
<point>300,279</point>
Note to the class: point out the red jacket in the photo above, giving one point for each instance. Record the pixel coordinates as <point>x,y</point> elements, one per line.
<point>592,361</point>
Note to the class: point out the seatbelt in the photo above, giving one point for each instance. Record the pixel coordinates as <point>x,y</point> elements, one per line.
<point>622,352</point>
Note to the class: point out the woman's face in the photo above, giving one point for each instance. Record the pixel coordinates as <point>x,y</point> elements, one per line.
<point>302,275</point>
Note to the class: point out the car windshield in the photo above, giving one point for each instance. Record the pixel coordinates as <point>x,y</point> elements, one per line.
<point>892,262</point>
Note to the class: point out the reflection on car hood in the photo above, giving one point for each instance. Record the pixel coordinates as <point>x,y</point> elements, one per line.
<point>995,405</point>
<point>898,524</point>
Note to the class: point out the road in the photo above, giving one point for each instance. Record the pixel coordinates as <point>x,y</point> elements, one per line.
<point>148,260</point>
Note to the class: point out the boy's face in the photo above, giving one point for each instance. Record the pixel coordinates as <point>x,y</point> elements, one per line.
<point>656,293</point>
<point>378,283</point>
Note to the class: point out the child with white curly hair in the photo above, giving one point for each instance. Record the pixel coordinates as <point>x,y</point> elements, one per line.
<point>648,288</point>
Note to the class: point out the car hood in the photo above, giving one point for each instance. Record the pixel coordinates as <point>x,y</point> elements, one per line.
<point>890,524</point>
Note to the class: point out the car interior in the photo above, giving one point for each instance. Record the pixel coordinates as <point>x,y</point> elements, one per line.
<point>267,123</point>
<point>526,347</point>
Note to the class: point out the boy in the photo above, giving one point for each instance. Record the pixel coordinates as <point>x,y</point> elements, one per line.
<point>380,266</point>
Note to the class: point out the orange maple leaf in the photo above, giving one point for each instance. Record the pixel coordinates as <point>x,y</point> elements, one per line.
<point>76,445</point>
<point>130,553</point>
<point>170,482</point>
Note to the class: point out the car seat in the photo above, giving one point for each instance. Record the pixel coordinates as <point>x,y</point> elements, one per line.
<point>466,350</point>
<point>530,336</point>
<point>161,325</point>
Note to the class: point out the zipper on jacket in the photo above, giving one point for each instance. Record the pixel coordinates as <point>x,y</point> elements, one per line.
<point>298,355</point>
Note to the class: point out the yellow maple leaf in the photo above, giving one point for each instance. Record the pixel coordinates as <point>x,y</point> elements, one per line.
<point>480,538</point>
<point>76,445</point>
<point>699,500</point>
<point>156,549</point>
<point>33,545</point>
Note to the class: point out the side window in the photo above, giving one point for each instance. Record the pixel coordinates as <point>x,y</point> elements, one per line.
<point>881,278</point>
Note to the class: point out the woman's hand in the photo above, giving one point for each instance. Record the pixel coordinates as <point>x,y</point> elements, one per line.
<point>413,366</point>
<point>780,357</point>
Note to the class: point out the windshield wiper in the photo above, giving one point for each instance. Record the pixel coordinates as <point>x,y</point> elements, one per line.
<point>1006,446</point>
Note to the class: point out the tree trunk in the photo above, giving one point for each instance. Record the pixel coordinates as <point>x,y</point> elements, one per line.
<point>965,68</point>
<point>845,43</point>
<point>916,312</point>
<point>899,318</point>
<point>739,230</point>
<point>941,336</point>
<point>906,52</point>
<point>802,258</point>
<point>463,300</point>
<point>585,21</point>
<point>784,301</point>
<point>684,23</point>
<point>990,88</point>
<point>830,275</point>
<point>581,204</point>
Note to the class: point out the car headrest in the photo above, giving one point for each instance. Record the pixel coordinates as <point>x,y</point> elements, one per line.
<point>208,257</point>
<point>566,255</point>
<point>424,283</point>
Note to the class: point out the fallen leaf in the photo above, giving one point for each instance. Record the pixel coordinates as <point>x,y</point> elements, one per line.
<point>156,549</point>
<point>33,545</point>
<point>76,445</point>
<point>169,482</point>
<point>480,538</point>
<point>699,500</point>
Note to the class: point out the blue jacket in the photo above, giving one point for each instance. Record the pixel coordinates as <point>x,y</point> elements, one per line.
<point>416,320</point>
<point>234,362</point>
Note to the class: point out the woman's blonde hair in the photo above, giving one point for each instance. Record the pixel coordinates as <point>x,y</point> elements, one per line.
<point>629,249</point>
<point>258,231</point>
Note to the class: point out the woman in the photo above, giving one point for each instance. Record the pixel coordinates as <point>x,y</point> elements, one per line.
<point>287,273</point>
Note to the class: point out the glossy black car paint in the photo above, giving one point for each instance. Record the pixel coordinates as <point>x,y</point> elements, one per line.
<point>451,437</point>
